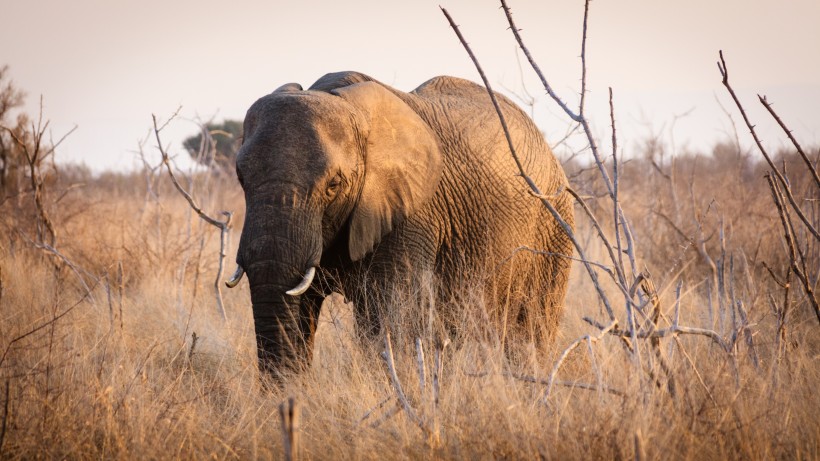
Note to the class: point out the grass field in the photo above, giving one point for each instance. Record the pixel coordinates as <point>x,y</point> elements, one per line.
<point>112,346</point>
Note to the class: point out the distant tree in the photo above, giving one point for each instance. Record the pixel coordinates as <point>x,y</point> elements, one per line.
<point>216,144</point>
<point>12,160</point>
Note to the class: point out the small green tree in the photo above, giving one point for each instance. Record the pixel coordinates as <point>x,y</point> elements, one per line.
<point>216,144</point>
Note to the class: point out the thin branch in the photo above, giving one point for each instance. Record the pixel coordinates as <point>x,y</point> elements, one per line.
<point>557,216</point>
<point>534,380</point>
<point>575,117</point>
<point>420,362</point>
<point>223,226</point>
<point>376,408</point>
<point>809,164</point>
<point>724,72</point>
<point>601,236</point>
<point>584,62</point>
<point>544,82</point>
<point>788,234</point>
<point>674,330</point>
<point>521,248</point>
<point>590,339</point>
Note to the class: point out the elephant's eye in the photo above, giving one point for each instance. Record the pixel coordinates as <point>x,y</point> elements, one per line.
<point>333,187</point>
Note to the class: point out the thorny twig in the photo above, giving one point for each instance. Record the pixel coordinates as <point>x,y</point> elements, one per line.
<point>812,168</point>
<point>724,72</point>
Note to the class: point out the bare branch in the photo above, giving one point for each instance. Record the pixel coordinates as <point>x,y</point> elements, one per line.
<point>590,339</point>
<point>534,380</point>
<point>809,164</point>
<point>557,216</point>
<point>788,234</point>
<point>724,72</point>
<point>223,226</point>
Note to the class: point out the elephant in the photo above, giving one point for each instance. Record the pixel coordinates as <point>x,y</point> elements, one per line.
<point>368,183</point>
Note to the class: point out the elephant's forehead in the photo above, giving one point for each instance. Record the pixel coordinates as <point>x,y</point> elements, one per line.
<point>307,129</point>
<point>304,111</point>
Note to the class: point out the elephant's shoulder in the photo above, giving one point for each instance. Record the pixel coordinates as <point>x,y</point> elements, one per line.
<point>446,87</point>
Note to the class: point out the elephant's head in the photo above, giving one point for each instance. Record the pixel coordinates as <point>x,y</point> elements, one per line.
<point>331,169</point>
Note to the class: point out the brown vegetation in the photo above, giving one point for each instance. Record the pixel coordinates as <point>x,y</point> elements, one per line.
<point>98,356</point>
<point>697,340</point>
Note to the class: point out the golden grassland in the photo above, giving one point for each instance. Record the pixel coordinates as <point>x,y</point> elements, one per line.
<point>117,351</point>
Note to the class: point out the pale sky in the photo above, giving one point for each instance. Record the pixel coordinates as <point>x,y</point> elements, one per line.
<point>106,66</point>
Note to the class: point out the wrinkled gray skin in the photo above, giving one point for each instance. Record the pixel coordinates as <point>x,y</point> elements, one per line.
<point>368,184</point>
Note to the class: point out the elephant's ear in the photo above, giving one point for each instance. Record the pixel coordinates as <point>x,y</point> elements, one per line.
<point>402,165</point>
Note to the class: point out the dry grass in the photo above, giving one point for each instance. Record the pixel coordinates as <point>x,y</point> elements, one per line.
<point>114,373</point>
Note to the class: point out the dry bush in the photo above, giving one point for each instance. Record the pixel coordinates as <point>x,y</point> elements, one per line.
<point>81,384</point>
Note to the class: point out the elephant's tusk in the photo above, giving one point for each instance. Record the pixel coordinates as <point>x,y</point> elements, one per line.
<point>236,277</point>
<point>304,284</point>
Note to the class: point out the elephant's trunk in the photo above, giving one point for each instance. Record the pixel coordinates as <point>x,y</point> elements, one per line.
<point>279,255</point>
<point>280,345</point>
<point>282,323</point>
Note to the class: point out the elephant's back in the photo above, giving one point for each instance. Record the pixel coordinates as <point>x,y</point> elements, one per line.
<point>480,178</point>
<point>462,114</point>
<point>466,106</point>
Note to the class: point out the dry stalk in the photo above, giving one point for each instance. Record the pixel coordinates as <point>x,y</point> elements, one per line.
<point>376,408</point>
<point>545,382</point>
<point>290,413</point>
<point>395,408</point>
<point>46,324</point>
<point>422,369</point>
<point>438,369</point>
<point>639,446</point>
<point>394,378</point>
<point>194,339</point>
<point>5,417</point>
<point>223,226</point>
<point>120,289</point>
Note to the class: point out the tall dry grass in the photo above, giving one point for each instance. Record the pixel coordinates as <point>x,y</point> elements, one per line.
<point>99,358</point>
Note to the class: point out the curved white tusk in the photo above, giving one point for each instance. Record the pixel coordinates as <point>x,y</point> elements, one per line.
<point>236,277</point>
<point>304,284</point>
